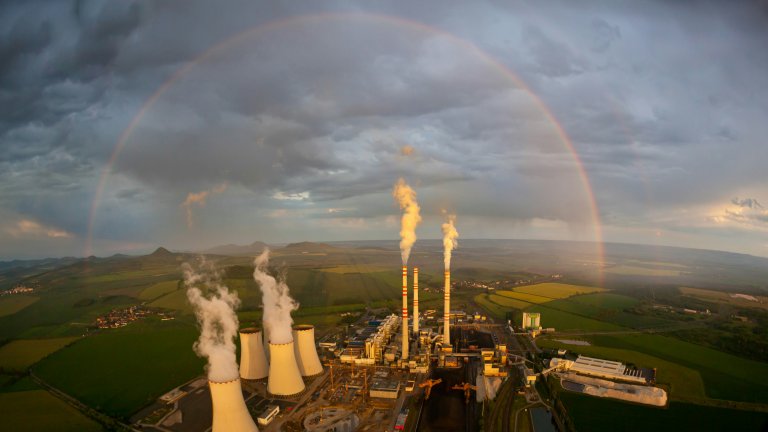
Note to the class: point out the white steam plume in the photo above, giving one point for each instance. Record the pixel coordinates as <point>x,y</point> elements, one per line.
<point>199,199</point>
<point>276,300</point>
<point>449,239</point>
<point>214,306</point>
<point>406,198</point>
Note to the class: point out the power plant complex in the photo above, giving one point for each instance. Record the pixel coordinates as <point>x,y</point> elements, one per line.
<point>383,369</point>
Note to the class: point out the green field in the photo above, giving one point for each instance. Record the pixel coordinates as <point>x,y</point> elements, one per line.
<point>121,370</point>
<point>158,289</point>
<point>602,414</point>
<point>555,290</point>
<point>565,321</point>
<point>523,297</point>
<point>9,305</point>
<point>359,268</point>
<point>632,270</point>
<point>493,309</point>
<point>608,307</point>
<point>723,297</point>
<point>38,410</point>
<point>18,355</point>
<point>508,301</point>
<point>176,300</point>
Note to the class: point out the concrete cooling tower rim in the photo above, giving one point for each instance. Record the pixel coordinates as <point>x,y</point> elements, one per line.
<point>224,382</point>
<point>250,330</point>
<point>303,327</point>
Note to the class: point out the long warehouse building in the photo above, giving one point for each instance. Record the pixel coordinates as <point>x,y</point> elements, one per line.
<point>605,369</point>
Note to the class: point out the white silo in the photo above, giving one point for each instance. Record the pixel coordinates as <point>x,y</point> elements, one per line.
<point>306,352</point>
<point>229,411</point>
<point>284,375</point>
<point>253,360</point>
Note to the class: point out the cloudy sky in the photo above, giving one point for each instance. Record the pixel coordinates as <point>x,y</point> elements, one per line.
<point>125,125</point>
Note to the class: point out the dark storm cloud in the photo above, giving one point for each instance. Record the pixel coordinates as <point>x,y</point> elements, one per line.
<point>664,102</point>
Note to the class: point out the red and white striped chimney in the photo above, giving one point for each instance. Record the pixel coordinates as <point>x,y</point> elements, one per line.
<point>447,309</point>
<point>405,313</point>
<point>416,301</point>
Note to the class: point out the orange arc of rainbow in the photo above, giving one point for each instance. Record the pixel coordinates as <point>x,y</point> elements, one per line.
<point>264,28</point>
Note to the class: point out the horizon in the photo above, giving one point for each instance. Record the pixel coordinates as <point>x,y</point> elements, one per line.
<point>394,241</point>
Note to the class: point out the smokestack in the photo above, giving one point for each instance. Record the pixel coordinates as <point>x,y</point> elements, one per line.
<point>253,360</point>
<point>447,309</point>
<point>405,313</point>
<point>229,411</point>
<point>284,375</point>
<point>416,301</point>
<point>449,243</point>
<point>306,353</point>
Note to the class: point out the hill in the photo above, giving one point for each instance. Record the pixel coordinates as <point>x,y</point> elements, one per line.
<point>254,248</point>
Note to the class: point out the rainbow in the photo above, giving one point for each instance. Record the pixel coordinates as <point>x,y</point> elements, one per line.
<point>377,18</point>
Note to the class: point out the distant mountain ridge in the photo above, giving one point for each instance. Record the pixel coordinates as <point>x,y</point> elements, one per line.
<point>254,248</point>
<point>310,247</point>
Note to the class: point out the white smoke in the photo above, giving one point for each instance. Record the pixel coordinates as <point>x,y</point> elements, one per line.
<point>277,302</point>
<point>406,198</point>
<point>199,199</point>
<point>449,239</point>
<point>214,306</point>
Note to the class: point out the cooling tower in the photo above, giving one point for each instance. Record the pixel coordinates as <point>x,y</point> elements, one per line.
<point>284,375</point>
<point>306,352</point>
<point>447,309</point>
<point>229,411</point>
<point>416,301</point>
<point>404,355</point>
<point>253,361</point>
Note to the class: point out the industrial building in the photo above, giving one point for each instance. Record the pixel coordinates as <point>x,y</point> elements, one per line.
<point>385,388</point>
<point>604,369</point>
<point>531,321</point>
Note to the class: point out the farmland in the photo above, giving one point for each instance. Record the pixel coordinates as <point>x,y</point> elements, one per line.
<point>557,290</point>
<point>143,360</point>
<point>38,410</point>
<point>9,305</point>
<point>159,289</point>
<point>569,307</point>
<point>726,298</point>
<point>21,354</point>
